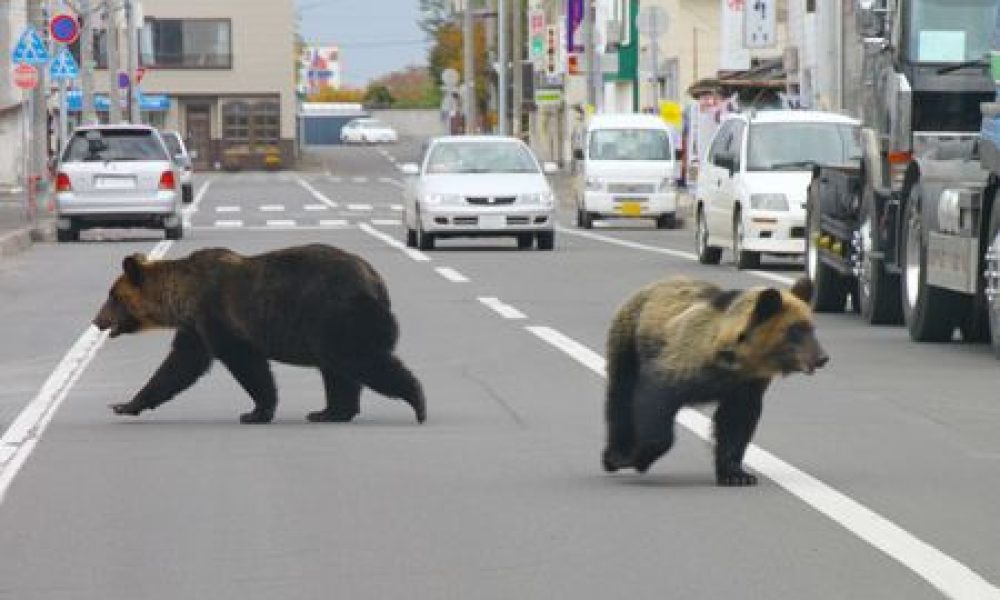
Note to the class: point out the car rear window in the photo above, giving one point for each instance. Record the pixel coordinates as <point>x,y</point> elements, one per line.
<point>173,144</point>
<point>114,145</point>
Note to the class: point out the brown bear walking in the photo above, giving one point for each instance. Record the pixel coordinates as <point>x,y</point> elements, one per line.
<point>309,305</point>
<point>683,342</point>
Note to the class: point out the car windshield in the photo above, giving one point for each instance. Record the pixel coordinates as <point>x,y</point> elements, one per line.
<point>114,145</point>
<point>630,144</point>
<point>173,143</point>
<point>798,146</point>
<point>948,31</point>
<point>478,157</point>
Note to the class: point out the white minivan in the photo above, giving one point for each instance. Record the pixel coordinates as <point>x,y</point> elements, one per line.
<point>627,170</point>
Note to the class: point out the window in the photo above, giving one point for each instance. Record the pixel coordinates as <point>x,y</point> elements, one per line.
<point>630,144</point>
<point>949,31</point>
<point>251,123</point>
<point>112,144</point>
<point>796,146</point>
<point>187,44</point>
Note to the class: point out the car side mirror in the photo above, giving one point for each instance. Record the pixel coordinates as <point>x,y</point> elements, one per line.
<point>550,168</point>
<point>578,154</point>
<point>726,161</point>
<point>410,169</point>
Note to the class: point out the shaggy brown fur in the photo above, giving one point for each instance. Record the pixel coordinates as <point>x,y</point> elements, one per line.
<point>310,305</point>
<point>681,341</point>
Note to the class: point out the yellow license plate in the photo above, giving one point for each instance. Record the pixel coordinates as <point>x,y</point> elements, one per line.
<point>630,209</point>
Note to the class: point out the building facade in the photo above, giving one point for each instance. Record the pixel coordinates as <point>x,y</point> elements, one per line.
<point>222,73</point>
<point>13,17</point>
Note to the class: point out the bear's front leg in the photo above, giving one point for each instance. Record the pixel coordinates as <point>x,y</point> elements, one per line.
<point>735,422</point>
<point>343,399</point>
<point>188,360</point>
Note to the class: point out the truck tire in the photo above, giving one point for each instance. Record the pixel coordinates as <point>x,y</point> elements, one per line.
<point>878,290</point>
<point>707,255</point>
<point>992,271</point>
<point>829,288</point>
<point>930,313</point>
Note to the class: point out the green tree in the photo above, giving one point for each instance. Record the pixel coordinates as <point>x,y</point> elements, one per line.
<point>378,96</point>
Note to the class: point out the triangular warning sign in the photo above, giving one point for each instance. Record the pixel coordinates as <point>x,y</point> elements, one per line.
<point>64,66</point>
<point>30,49</point>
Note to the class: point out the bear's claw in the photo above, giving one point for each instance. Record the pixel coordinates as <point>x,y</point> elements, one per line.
<point>257,416</point>
<point>738,478</point>
<point>330,416</point>
<point>125,408</point>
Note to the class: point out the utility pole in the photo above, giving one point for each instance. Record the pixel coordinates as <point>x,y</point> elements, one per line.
<point>132,27</point>
<point>590,41</point>
<point>516,68</point>
<point>38,111</point>
<point>111,22</point>
<point>502,61</point>
<point>469,69</point>
<point>88,115</point>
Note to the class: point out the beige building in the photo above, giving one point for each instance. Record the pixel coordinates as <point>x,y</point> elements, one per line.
<point>228,70</point>
<point>13,15</point>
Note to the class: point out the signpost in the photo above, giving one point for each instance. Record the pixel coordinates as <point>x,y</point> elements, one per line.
<point>63,68</point>
<point>64,28</point>
<point>25,76</point>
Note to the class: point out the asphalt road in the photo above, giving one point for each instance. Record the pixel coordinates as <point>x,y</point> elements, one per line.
<point>880,474</point>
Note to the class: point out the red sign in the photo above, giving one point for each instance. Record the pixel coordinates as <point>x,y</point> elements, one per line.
<point>138,74</point>
<point>25,76</point>
<point>64,28</point>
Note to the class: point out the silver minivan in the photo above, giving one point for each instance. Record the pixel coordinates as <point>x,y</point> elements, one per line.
<point>117,176</point>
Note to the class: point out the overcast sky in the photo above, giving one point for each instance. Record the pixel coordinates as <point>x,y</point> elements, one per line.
<point>375,36</point>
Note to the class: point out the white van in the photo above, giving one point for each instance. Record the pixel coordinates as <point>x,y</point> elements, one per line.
<point>627,170</point>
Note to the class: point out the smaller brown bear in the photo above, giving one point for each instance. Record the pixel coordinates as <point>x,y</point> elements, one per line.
<point>312,305</point>
<point>682,342</point>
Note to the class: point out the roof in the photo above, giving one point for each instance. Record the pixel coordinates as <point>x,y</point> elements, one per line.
<point>106,126</point>
<point>476,138</point>
<point>796,116</point>
<point>612,120</point>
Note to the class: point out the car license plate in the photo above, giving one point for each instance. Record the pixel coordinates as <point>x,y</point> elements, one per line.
<point>492,221</point>
<point>115,183</point>
<point>630,208</point>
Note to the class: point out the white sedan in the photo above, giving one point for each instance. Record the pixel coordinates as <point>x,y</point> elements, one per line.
<point>367,131</point>
<point>479,186</point>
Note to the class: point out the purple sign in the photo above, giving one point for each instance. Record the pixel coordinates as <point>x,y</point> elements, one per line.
<point>574,25</point>
<point>123,80</point>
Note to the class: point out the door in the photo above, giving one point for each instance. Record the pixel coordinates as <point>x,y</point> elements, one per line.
<point>198,136</point>
<point>728,192</point>
<point>711,174</point>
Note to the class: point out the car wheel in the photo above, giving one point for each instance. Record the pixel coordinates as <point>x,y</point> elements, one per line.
<point>525,241</point>
<point>424,240</point>
<point>174,233</point>
<point>546,240</point>
<point>187,193</point>
<point>707,255</point>
<point>411,238</point>
<point>666,221</point>
<point>745,259</point>
<point>68,235</point>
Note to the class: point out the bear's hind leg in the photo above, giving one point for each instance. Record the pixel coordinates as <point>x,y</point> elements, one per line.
<point>735,422</point>
<point>655,408</point>
<point>388,376</point>
<point>343,398</point>
<point>253,372</point>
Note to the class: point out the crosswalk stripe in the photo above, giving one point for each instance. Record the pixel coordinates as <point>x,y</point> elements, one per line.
<point>316,207</point>
<point>235,223</point>
<point>359,207</point>
<point>386,222</point>
<point>280,223</point>
<point>227,209</point>
<point>272,207</point>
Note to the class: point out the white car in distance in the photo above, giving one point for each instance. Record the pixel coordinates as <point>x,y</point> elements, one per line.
<point>479,186</point>
<point>752,187</point>
<point>367,131</point>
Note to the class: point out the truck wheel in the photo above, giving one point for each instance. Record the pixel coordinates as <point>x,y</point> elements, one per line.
<point>930,312</point>
<point>878,290</point>
<point>745,259</point>
<point>707,255</point>
<point>992,278</point>
<point>829,288</point>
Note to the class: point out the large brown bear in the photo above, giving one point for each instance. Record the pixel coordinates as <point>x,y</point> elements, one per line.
<point>683,342</point>
<point>310,305</point>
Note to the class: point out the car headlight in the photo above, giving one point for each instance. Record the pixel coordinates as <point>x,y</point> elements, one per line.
<point>768,202</point>
<point>594,184</point>
<point>666,185</point>
<point>545,199</point>
<point>436,199</point>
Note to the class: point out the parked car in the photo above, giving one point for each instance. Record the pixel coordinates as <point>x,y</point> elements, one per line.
<point>117,176</point>
<point>751,192</point>
<point>178,150</point>
<point>479,186</point>
<point>367,131</point>
<point>628,168</point>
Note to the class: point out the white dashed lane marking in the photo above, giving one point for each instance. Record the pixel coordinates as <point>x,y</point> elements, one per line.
<point>359,207</point>
<point>312,207</point>
<point>315,193</point>
<point>231,223</point>
<point>416,255</point>
<point>272,208</point>
<point>504,310</point>
<point>280,223</point>
<point>227,209</point>
<point>333,222</point>
<point>451,275</point>
<point>395,222</point>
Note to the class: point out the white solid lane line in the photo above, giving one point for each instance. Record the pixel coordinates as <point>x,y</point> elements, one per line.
<point>20,439</point>
<point>315,193</point>
<point>504,310</point>
<point>451,275</point>
<point>950,577</point>
<point>667,251</point>
<point>416,255</point>
<point>192,208</point>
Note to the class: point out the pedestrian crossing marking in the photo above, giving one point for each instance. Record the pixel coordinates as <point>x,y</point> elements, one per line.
<point>386,222</point>
<point>316,207</point>
<point>272,208</point>
<point>359,207</point>
<point>333,222</point>
<point>229,223</point>
<point>281,223</point>
<point>227,209</point>
<point>30,49</point>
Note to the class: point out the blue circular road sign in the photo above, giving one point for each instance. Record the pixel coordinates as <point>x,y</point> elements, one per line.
<point>64,28</point>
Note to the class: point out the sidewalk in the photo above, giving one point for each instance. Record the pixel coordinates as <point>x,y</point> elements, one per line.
<point>17,232</point>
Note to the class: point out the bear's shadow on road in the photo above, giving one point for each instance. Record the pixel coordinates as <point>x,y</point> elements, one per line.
<point>665,480</point>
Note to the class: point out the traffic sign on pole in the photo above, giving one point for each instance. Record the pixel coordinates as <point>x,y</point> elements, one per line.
<point>64,28</point>
<point>64,66</point>
<point>25,76</point>
<point>30,48</point>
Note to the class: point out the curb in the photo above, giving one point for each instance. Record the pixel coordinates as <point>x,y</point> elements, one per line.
<point>19,240</point>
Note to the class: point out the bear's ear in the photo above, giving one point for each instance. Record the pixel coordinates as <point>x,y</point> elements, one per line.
<point>132,266</point>
<point>768,305</point>
<point>803,289</point>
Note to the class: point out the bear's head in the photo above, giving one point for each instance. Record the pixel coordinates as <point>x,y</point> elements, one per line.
<point>130,307</point>
<point>770,332</point>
